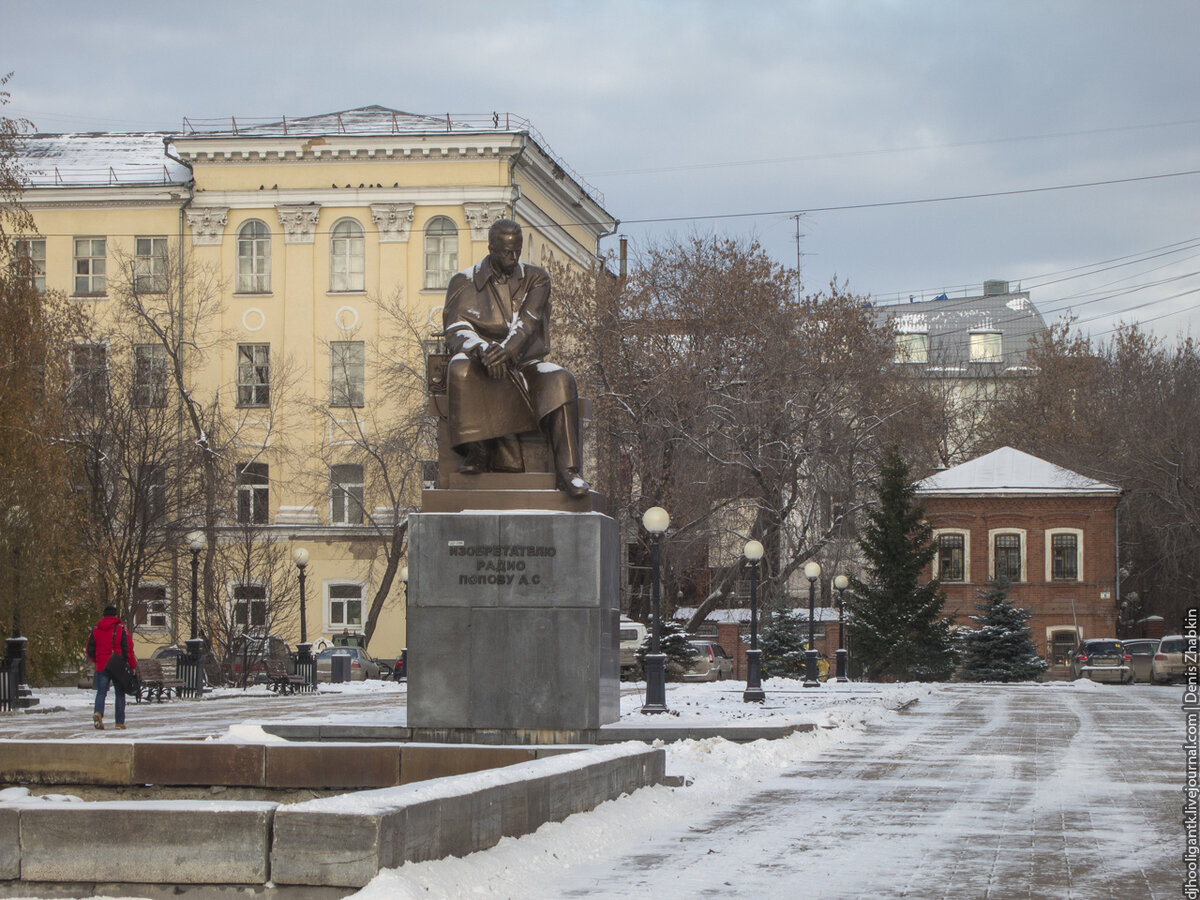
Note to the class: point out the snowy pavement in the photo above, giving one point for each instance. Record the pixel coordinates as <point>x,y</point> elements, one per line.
<point>1031,791</point>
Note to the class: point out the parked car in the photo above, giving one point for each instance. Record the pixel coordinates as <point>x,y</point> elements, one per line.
<point>362,666</point>
<point>1141,653</point>
<point>244,660</point>
<point>1102,659</point>
<point>712,663</point>
<point>1169,663</point>
<point>630,634</point>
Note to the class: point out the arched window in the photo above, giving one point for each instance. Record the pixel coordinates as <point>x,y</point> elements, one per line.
<point>441,252</point>
<point>254,258</point>
<point>346,250</point>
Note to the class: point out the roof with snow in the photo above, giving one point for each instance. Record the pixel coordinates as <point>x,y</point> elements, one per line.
<point>99,159</point>
<point>741,616</point>
<point>1009,471</point>
<point>949,323</point>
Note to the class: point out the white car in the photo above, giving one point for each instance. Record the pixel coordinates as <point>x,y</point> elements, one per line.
<point>1170,663</point>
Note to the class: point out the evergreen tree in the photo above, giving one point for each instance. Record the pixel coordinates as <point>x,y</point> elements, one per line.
<point>1001,648</point>
<point>674,643</point>
<point>783,642</point>
<point>895,622</point>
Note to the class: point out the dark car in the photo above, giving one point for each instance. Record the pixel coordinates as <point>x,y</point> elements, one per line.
<point>1102,659</point>
<point>244,663</point>
<point>1141,653</point>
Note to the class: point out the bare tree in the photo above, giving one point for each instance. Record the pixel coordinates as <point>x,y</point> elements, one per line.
<point>742,409</point>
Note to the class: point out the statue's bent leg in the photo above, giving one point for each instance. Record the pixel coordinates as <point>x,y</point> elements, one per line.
<point>562,425</point>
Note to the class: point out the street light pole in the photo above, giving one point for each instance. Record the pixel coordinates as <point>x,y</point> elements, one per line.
<point>196,542</point>
<point>841,582</point>
<point>812,571</point>
<point>305,666</point>
<point>753,551</point>
<point>655,521</point>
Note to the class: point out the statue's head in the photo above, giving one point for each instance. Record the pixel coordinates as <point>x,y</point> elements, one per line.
<point>504,245</point>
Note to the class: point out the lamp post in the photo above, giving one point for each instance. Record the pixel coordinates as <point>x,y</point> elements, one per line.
<point>189,671</point>
<point>15,646</point>
<point>812,571</point>
<point>841,582</point>
<point>401,670</point>
<point>753,551</point>
<point>305,667</point>
<point>655,521</point>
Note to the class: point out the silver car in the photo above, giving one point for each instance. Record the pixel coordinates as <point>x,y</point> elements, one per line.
<point>712,663</point>
<point>1102,659</point>
<point>1141,653</point>
<point>362,666</point>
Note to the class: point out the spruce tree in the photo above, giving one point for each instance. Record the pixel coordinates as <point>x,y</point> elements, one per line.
<point>895,625</point>
<point>783,642</point>
<point>674,643</point>
<point>1001,648</point>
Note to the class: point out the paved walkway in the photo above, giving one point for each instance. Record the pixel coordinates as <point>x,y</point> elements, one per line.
<point>1005,792</point>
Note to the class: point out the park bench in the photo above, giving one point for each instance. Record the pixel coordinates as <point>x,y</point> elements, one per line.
<point>156,685</point>
<point>279,680</point>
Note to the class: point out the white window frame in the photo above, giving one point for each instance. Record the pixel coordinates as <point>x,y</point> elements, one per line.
<point>912,347</point>
<point>150,365</point>
<point>347,375</point>
<point>347,257</point>
<point>257,494</point>
<point>34,250</point>
<point>987,346</point>
<point>254,258</point>
<point>165,614</point>
<point>350,495</point>
<point>254,374</point>
<point>248,627</point>
<point>90,257</point>
<point>333,626</point>
<point>1078,532</point>
<point>150,263</point>
<point>953,532</point>
<point>440,248</point>
<point>1024,551</point>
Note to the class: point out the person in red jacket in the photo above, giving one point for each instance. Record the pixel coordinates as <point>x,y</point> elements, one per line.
<point>109,637</point>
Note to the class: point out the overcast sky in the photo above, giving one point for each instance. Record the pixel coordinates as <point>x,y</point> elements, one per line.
<point>702,116</point>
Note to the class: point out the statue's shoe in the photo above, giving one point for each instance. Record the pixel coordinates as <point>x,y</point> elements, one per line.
<point>571,483</point>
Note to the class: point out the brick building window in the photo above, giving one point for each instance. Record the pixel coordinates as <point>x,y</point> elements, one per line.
<point>951,557</point>
<point>1007,557</point>
<point>1064,557</point>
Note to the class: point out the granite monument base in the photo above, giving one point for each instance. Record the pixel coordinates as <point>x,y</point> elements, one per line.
<point>512,621</point>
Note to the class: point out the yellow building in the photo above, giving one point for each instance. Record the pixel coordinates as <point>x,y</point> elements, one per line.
<point>305,227</point>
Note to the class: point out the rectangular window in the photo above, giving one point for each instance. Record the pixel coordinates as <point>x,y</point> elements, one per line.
<point>152,508</point>
<point>951,558</point>
<point>149,375</point>
<point>254,375</point>
<point>912,348</point>
<point>150,265</point>
<point>150,605</point>
<point>252,493</point>
<point>91,267</point>
<point>347,373</point>
<point>31,252</point>
<point>345,605</point>
<point>985,346</point>
<point>249,606</point>
<point>89,376</point>
<point>1064,559</point>
<point>346,494</point>
<point>1008,557</point>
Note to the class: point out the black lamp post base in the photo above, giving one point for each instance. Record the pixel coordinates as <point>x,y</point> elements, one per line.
<point>811,674</point>
<point>655,665</point>
<point>754,692</point>
<point>841,666</point>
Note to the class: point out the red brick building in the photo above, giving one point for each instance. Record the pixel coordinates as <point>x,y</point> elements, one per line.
<point>1051,531</point>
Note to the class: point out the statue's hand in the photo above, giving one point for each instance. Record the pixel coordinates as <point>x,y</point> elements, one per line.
<point>496,360</point>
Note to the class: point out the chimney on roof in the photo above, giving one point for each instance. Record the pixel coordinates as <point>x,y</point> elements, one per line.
<point>994,288</point>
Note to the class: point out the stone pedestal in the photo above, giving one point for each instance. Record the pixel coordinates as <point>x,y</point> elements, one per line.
<point>513,621</point>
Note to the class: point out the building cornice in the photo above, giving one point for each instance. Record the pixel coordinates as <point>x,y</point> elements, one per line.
<point>240,149</point>
<point>340,198</point>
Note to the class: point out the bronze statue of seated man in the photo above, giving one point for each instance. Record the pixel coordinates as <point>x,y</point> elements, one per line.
<point>496,322</point>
